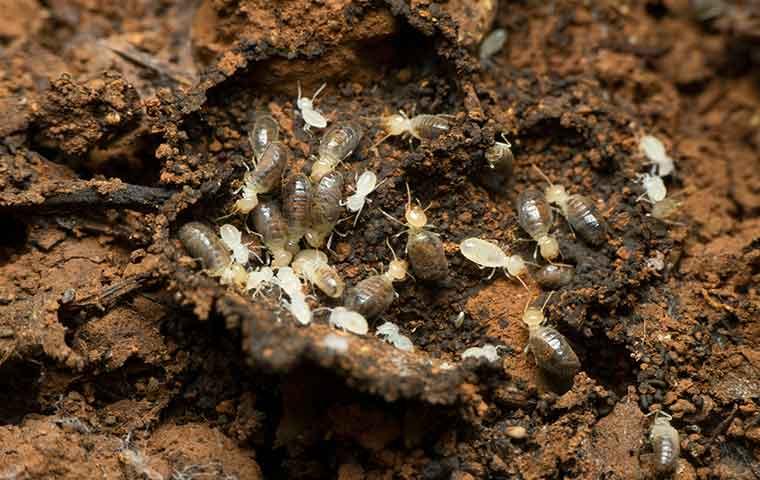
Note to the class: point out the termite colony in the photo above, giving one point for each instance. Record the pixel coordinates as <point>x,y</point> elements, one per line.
<point>292,215</point>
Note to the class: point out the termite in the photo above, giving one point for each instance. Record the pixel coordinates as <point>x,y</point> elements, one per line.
<point>535,217</point>
<point>665,443</point>
<point>258,279</point>
<point>365,184</point>
<point>269,222</point>
<point>338,142</point>
<point>487,351</point>
<point>579,211</point>
<point>654,188</point>
<point>296,208</point>
<point>489,255</point>
<point>325,208</point>
<point>372,296</point>
<point>550,348</point>
<point>390,333</point>
<point>554,276</point>
<point>288,281</point>
<point>202,242</point>
<point>313,266</point>
<point>265,131</point>
<point>492,44</point>
<point>424,248</point>
<point>311,116</point>
<point>654,150</point>
<point>233,239</point>
<point>349,320</point>
<point>265,176</point>
<point>500,165</point>
<point>422,127</point>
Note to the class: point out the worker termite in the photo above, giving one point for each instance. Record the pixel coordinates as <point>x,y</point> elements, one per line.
<point>535,217</point>
<point>311,116</point>
<point>550,348</point>
<point>265,176</point>
<point>265,131</point>
<point>500,164</point>
<point>269,222</point>
<point>372,296</point>
<point>579,211</point>
<point>325,208</point>
<point>422,127</point>
<point>492,44</point>
<point>288,281</point>
<point>202,242</point>
<point>313,266</point>
<point>296,208</point>
<point>490,255</point>
<point>654,188</point>
<point>665,443</point>
<point>338,142</point>
<point>654,150</point>
<point>258,279</point>
<point>349,320</point>
<point>233,239</point>
<point>365,184</point>
<point>390,333</point>
<point>554,276</point>
<point>487,351</point>
<point>424,248</point>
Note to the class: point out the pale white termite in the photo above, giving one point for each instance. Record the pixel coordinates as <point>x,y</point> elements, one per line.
<point>345,319</point>
<point>365,184</point>
<point>311,116</point>
<point>422,127</point>
<point>654,150</point>
<point>312,265</point>
<point>288,281</point>
<point>390,333</point>
<point>487,351</point>
<point>550,348</point>
<point>258,279</point>
<point>490,255</point>
<point>654,188</point>
<point>492,44</point>
<point>665,443</point>
<point>265,131</point>
<point>233,238</point>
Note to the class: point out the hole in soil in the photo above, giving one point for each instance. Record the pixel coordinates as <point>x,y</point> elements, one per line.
<point>609,364</point>
<point>19,390</point>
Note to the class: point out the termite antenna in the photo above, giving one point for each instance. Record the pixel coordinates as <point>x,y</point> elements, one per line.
<point>547,300</point>
<point>391,217</point>
<point>380,141</point>
<point>504,137</point>
<point>521,281</point>
<point>543,175</point>
<point>388,242</point>
<point>299,89</point>
<point>319,90</point>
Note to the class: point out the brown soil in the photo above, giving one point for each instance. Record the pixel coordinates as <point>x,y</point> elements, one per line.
<point>120,358</point>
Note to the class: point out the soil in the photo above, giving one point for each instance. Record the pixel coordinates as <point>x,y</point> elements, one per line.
<point>121,358</point>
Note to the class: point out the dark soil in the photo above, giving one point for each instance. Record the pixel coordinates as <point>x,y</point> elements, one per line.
<point>120,358</point>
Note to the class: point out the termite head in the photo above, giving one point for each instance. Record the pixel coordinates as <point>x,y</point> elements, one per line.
<point>516,265</point>
<point>246,204</point>
<point>396,268</point>
<point>549,247</point>
<point>534,317</point>
<point>556,194</point>
<point>397,124</point>
<point>414,214</point>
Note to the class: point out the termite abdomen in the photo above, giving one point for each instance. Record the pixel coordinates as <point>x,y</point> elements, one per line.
<point>586,220</point>
<point>554,276</point>
<point>500,167</point>
<point>665,444</point>
<point>553,352</point>
<point>338,142</point>
<point>325,208</point>
<point>370,297</point>
<point>270,223</point>
<point>429,127</point>
<point>268,171</point>
<point>535,217</point>
<point>296,206</point>
<point>265,131</point>
<point>426,255</point>
<point>202,242</point>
